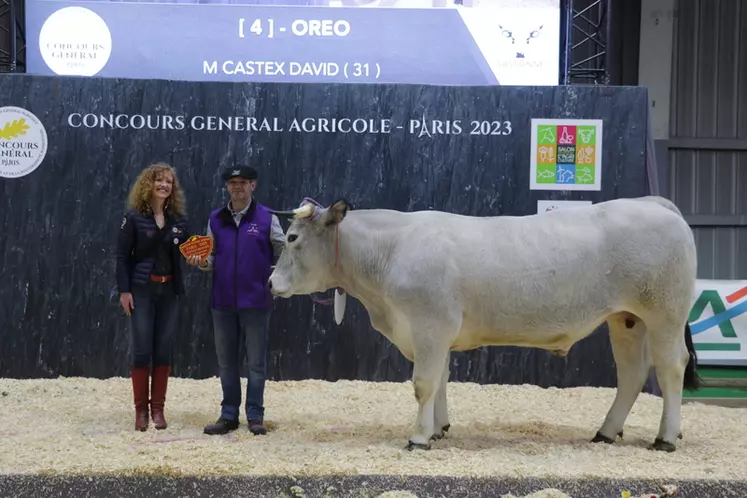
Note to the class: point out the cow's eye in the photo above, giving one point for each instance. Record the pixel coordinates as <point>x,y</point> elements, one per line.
<point>292,237</point>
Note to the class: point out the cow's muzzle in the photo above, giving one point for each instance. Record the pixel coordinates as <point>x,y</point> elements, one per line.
<point>275,291</point>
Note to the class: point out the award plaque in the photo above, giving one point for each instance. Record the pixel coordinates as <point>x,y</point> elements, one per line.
<point>197,245</point>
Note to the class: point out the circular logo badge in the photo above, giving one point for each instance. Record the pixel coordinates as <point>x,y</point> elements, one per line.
<point>23,142</point>
<point>75,41</point>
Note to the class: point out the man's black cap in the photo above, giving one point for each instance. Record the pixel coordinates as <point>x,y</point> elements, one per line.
<point>241,171</point>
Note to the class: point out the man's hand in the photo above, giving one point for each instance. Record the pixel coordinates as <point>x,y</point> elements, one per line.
<point>125,299</point>
<point>196,260</point>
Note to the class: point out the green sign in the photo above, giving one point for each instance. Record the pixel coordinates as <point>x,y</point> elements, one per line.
<point>718,320</point>
<point>566,154</point>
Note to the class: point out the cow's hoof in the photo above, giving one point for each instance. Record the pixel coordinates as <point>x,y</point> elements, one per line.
<point>417,446</point>
<point>599,438</point>
<point>620,434</point>
<point>661,445</point>
<point>442,434</point>
<point>679,436</point>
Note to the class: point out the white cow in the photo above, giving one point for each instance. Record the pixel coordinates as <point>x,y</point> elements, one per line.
<point>435,282</point>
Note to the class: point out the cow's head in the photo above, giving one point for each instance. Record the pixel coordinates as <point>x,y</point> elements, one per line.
<point>310,253</point>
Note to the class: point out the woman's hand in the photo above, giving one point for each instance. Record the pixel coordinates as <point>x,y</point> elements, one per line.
<point>125,299</point>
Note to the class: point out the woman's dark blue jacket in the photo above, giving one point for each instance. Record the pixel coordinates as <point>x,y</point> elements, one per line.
<point>137,248</point>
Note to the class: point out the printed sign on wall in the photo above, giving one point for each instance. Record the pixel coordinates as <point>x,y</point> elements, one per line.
<point>23,142</point>
<point>566,154</point>
<point>718,322</point>
<point>543,205</point>
<point>438,42</point>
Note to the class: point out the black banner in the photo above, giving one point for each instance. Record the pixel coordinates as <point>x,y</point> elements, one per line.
<point>71,148</point>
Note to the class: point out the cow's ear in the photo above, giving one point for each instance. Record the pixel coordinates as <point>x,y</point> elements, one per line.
<point>336,212</point>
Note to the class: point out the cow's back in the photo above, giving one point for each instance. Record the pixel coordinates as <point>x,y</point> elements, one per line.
<point>555,269</point>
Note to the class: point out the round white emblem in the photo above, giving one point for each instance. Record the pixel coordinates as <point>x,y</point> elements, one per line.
<point>75,41</point>
<point>23,142</point>
<point>176,241</point>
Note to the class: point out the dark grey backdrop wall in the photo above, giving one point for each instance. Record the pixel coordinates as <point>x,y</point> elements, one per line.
<point>59,224</point>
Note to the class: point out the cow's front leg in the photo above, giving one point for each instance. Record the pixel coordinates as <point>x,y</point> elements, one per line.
<point>441,410</point>
<point>427,374</point>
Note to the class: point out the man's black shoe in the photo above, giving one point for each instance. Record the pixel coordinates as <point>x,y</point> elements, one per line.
<point>257,427</point>
<point>222,426</point>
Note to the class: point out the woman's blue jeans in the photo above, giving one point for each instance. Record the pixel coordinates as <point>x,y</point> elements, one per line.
<point>154,319</point>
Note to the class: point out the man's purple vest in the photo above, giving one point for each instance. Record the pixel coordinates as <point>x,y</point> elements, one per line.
<point>243,256</point>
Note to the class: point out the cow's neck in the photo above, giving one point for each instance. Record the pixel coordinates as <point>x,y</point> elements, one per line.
<point>362,257</point>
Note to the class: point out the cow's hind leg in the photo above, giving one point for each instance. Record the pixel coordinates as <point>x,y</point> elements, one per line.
<point>633,360</point>
<point>675,365</point>
<point>441,410</point>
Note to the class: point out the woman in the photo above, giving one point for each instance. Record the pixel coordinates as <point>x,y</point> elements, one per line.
<point>149,280</point>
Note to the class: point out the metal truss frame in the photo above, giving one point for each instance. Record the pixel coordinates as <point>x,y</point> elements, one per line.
<point>586,30</point>
<point>12,37</point>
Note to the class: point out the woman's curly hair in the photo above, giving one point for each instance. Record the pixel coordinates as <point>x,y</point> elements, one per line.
<point>142,191</point>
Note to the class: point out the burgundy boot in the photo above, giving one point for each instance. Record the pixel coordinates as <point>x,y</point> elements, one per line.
<point>140,395</point>
<point>158,395</point>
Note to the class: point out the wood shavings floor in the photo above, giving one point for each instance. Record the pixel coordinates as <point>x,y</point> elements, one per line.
<point>81,425</point>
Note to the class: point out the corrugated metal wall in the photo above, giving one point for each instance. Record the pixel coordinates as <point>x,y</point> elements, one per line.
<point>708,131</point>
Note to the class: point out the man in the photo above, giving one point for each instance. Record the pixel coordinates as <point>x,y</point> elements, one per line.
<point>248,241</point>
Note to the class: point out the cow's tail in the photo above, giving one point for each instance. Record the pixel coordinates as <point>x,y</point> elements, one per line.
<point>692,379</point>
